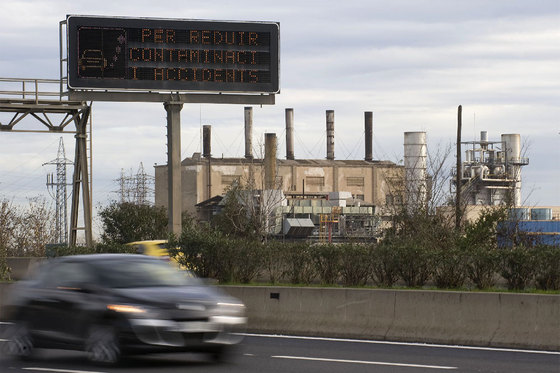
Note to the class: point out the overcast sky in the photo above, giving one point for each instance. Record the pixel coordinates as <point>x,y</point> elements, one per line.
<point>411,62</point>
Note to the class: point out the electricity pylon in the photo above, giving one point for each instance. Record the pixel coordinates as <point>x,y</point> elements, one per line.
<point>61,211</point>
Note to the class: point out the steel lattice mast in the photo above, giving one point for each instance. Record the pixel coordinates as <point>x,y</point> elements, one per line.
<point>61,210</point>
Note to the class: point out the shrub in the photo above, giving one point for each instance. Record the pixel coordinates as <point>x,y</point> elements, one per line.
<point>300,268</point>
<point>414,262</point>
<point>197,246</point>
<point>480,247</point>
<point>248,258</point>
<point>355,263</point>
<point>55,250</point>
<point>5,270</point>
<point>481,264</point>
<point>449,267</point>
<point>128,222</point>
<point>547,267</point>
<point>326,260</point>
<point>517,266</point>
<point>384,265</point>
<point>275,260</point>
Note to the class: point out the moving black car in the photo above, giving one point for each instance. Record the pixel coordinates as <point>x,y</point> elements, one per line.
<point>110,305</point>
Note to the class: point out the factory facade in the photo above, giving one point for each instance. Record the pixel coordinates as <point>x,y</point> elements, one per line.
<point>315,189</point>
<point>366,183</point>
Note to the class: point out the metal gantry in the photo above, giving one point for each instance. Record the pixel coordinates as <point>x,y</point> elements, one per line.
<point>26,98</point>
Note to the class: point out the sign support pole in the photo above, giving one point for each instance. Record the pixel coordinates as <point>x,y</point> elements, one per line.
<point>81,177</point>
<point>174,190</point>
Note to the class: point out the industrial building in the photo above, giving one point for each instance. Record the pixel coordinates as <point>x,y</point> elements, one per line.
<point>491,171</point>
<point>339,197</point>
<point>491,176</point>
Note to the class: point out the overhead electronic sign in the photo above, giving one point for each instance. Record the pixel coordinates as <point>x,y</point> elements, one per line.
<point>172,55</point>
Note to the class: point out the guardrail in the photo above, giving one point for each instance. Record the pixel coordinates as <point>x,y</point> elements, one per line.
<point>31,89</point>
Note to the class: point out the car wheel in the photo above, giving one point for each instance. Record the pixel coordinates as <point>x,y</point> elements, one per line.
<point>20,342</point>
<point>222,354</point>
<point>102,345</point>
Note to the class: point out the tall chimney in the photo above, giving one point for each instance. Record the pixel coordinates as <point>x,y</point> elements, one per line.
<point>248,132</point>
<point>330,134</point>
<point>511,146</point>
<point>368,117</point>
<point>206,141</point>
<point>289,133</point>
<point>270,160</point>
<point>484,140</point>
<point>416,183</point>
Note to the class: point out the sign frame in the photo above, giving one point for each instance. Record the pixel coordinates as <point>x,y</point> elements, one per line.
<point>249,83</point>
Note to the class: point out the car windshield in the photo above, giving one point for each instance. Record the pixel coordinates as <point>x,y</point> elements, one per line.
<point>142,273</point>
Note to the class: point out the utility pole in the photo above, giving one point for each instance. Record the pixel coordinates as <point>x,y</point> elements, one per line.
<point>458,214</point>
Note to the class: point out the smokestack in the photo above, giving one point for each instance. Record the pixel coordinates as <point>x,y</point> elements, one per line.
<point>415,156</point>
<point>248,132</point>
<point>368,117</point>
<point>511,146</point>
<point>270,160</point>
<point>330,134</point>
<point>207,141</point>
<point>484,139</point>
<point>290,133</point>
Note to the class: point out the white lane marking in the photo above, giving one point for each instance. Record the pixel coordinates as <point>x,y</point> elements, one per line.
<point>364,362</point>
<point>61,370</point>
<point>401,343</point>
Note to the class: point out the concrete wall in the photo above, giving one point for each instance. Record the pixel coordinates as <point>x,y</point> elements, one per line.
<point>20,266</point>
<point>466,318</point>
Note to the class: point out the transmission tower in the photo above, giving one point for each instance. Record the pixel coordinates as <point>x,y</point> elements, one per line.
<point>144,184</point>
<point>136,188</point>
<point>61,210</point>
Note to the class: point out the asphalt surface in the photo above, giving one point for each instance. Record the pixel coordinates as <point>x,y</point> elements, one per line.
<point>282,354</point>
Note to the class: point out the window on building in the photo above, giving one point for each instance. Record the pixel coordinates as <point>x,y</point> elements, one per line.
<point>315,180</point>
<point>230,179</point>
<point>355,181</point>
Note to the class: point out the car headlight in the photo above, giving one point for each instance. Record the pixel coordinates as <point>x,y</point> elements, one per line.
<point>135,311</point>
<point>230,308</point>
<point>126,308</point>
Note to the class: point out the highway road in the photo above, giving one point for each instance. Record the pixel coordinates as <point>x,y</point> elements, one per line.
<point>283,354</point>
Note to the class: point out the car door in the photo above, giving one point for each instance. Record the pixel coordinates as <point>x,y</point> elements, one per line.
<point>65,302</point>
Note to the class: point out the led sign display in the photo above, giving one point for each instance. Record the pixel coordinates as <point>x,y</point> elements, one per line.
<point>172,55</point>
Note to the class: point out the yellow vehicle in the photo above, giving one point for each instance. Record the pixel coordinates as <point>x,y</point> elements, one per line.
<point>157,248</point>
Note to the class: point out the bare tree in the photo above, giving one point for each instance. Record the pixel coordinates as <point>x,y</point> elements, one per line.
<point>7,226</point>
<point>35,228</point>
<point>251,202</point>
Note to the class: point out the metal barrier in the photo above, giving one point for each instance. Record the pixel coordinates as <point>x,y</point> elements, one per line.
<point>27,89</point>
